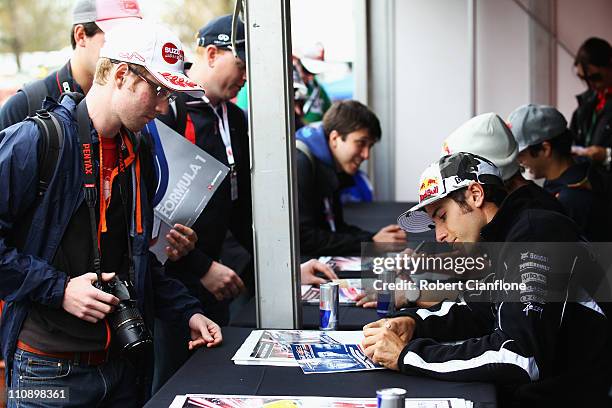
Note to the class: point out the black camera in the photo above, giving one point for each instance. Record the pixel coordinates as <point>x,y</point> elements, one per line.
<point>131,335</point>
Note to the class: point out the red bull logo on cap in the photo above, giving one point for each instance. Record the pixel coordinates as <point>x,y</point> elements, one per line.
<point>428,188</point>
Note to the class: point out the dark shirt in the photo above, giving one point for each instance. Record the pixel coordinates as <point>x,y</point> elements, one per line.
<point>318,182</point>
<point>54,330</point>
<point>221,213</point>
<point>585,206</point>
<point>590,126</point>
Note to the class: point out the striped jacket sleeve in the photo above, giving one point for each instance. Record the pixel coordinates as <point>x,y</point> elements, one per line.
<point>514,347</point>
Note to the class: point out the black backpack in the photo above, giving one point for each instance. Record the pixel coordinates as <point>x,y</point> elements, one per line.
<point>51,144</point>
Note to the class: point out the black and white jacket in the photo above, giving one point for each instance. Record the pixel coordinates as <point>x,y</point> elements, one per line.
<point>534,345</point>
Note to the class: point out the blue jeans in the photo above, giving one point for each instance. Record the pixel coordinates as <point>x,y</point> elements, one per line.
<point>107,385</point>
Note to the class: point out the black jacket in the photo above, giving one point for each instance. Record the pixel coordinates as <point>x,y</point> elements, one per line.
<point>537,351</point>
<point>586,131</point>
<point>581,203</point>
<point>221,214</point>
<point>318,181</point>
<point>15,109</point>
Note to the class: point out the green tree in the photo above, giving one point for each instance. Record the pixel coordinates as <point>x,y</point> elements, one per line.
<point>33,25</point>
<point>191,15</point>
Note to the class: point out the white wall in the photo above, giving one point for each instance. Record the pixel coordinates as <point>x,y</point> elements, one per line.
<point>432,78</point>
<point>502,50</point>
<point>431,84</point>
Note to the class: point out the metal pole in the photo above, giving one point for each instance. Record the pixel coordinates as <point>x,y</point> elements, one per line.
<point>273,172</point>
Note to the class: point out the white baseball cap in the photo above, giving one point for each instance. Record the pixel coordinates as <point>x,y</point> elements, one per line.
<point>488,136</point>
<point>155,48</point>
<point>105,13</point>
<point>442,177</point>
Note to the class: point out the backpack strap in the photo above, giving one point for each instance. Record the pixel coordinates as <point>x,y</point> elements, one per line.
<point>51,144</point>
<point>35,92</point>
<point>303,147</point>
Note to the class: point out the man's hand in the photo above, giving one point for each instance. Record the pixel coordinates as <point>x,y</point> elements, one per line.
<point>181,240</point>
<point>595,153</point>
<point>308,270</point>
<point>384,348</point>
<point>222,282</point>
<point>402,326</point>
<point>203,332</point>
<point>390,233</point>
<point>86,302</point>
<point>367,300</point>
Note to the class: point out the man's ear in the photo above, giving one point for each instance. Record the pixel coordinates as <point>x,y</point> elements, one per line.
<point>333,138</point>
<point>120,74</point>
<point>79,35</point>
<point>475,194</point>
<point>547,149</point>
<point>211,55</point>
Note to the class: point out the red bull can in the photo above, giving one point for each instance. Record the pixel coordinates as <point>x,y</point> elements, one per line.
<point>328,306</point>
<point>391,398</point>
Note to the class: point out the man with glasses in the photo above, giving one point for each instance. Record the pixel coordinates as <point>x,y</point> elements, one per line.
<point>220,128</point>
<point>96,216</point>
<point>90,19</point>
<point>592,120</point>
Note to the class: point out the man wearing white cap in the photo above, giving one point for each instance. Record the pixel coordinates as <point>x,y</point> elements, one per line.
<point>488,136</point>
<point>90,20</point>
<point>96,216</point>
<point>519,340</point>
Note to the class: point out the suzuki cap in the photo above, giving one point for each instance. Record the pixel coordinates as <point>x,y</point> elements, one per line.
<point>155,48</point>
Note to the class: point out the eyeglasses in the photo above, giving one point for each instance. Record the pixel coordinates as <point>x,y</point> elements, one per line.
<point>160,91</point>
<point>597,77</point>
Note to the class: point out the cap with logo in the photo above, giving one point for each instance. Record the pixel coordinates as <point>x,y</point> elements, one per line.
<point>155,48</point>
<point>533,124</point>
<point>488,136</point>
<point>441,178</point>
<point>218,32</point>
<point>105,13</point>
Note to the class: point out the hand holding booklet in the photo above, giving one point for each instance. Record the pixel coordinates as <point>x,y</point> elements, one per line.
<point>187,178</point>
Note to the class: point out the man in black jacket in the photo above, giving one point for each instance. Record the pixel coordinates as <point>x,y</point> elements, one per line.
<point>220,128</point>
<point>536,350</point>
<point>592,121</point>
<point>329,155</point>
<point>544,144</point>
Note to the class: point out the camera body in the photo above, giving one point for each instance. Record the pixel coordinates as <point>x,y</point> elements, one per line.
<point>131,335</point>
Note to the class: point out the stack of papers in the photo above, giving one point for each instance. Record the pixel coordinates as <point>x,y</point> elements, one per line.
<point>251,401</point>
<point>314,351</point>
<point>349,292</point>
<point>342,263</point>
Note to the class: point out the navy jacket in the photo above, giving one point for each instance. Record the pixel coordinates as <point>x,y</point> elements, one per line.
<point>26,274</point>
